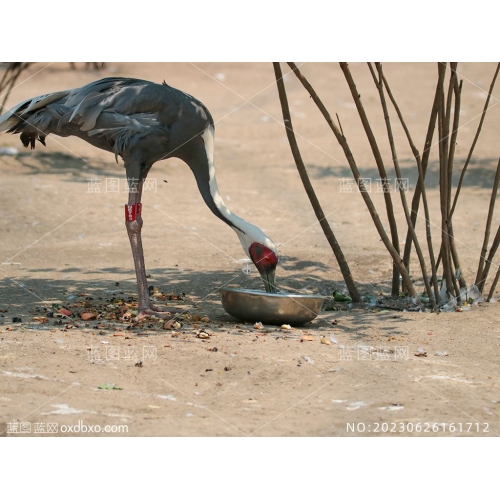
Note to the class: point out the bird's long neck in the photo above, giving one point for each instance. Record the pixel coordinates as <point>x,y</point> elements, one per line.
<point>207,184</point>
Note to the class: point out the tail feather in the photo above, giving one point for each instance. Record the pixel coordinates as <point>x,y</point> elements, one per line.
<point>17,113</point>
<point>44,100</point>
<point>9,118</point>
<point>31,118</point>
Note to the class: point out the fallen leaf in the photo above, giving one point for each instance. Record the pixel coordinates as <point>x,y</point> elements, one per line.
<point>339,297</point>
<point>41,319</point>
<point>285,327</point>
<point>307,337</point>
<point>65,312</point>
<point>325,341</point>
<point>110,387</point>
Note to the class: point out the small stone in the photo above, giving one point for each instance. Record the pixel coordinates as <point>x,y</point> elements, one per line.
<point>285,327</point>
<point>258,326</point>
<point>421,352</point>
<point>88,316</point>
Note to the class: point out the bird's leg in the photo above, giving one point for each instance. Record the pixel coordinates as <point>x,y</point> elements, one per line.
<point>133,222</point>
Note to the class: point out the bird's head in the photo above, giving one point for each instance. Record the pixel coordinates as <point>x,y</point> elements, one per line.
<point>263,253</point>
<point>265,261</point>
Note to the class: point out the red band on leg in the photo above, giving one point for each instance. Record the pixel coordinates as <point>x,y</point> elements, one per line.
<point>131,212</point>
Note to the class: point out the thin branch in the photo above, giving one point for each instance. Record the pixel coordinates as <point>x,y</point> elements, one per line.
<point>381,168</point>
<point>14,70</point>
<point>495,283</point>
<point>484,249</point>
<point>357,176</point>
<point>457,90</point>
<point>380,87</point>
<point>346,272</point>
<point>420,182</point>
<point>460,181</point>
<point>489,260</point>
<point>415,203</point>
<point>443,127</point>
<point>340,124</point>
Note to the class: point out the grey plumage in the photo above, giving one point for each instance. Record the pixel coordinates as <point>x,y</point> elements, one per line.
<point>112,114</point>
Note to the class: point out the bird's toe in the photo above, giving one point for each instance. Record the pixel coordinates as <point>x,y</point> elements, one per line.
<point>148,312</point>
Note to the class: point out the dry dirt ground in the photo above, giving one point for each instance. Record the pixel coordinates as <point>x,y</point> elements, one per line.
<point>63,245</point>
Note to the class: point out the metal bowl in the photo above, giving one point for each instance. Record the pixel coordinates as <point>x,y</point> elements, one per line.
<point>271,308</point>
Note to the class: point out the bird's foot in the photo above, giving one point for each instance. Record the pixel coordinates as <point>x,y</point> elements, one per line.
<point>148,313</point>
<point>157,312</point>
<point>172,310</point>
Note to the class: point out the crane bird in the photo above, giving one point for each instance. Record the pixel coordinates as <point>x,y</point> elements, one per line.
<point>142,122</point>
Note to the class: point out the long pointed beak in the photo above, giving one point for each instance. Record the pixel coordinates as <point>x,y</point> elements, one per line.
<point>269,281</point>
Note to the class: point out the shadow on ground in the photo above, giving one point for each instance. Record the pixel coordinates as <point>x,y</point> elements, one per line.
<point>480,172</point>
<point>20,296</point>
<point>65,164</point>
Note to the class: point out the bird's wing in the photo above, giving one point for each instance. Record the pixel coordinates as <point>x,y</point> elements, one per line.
<point>120,130</point>
<point>119,110</point>
<point>85,103</point>
<point>123,96</point>
<point>11,117</point>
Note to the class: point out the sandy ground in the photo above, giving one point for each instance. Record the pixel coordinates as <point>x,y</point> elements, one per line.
<point>65,245</point>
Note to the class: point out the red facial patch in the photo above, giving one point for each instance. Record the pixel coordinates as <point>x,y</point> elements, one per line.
<point>263,258</point>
